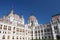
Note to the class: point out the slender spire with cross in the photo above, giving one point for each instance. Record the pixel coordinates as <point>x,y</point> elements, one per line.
<point>12,8</point>
<point>12,4</point>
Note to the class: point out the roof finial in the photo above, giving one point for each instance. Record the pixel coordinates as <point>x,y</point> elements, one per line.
<point>11,11</point>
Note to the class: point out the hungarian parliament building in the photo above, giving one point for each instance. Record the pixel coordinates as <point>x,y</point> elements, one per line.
<point>12,27</point>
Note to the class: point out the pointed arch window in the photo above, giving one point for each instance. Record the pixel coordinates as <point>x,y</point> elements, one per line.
<point>3,37</point>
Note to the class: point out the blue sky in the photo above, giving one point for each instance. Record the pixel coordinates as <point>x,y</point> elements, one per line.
<point>42,9</point>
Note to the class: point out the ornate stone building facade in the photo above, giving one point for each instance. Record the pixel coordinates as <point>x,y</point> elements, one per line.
<point>12,27</point>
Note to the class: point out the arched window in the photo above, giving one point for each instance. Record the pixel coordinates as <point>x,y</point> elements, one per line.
<point>5,27</point>
<point>17,29</point>
<point>9,28</point>
<point>13,37</point>
<point>8,37</point>
<point>13,28</point>
<point>17,37</point>
<point>3,37</point>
